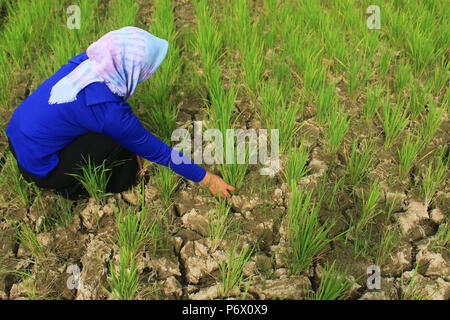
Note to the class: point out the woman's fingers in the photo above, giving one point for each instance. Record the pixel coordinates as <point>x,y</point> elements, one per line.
<point>217,185</point>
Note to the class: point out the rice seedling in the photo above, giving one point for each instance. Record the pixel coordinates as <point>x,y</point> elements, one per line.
<point>296,164</point>
<point>161,118</point>
<point>442,239</point>
<point>94,178</point>
<point>124,282</point>
<point>167,182</point>
<point>418,100</point>
<point>314,77</point>
<point>431,122</point>
<point>209,39</point>
<point>368,207</point>
<point>160,111</point>
<point>338,124</point>
<point>384,63</point>
<point>411,146</point>
<point>357,75</point>
<point>12,179</point>
<point>63,212</point>
<point>403,77</point>
<point>253,63</point>
<point>234,170</point>
<point>337,187</point>
<point>325,102</point>
<point>432,177</point>
<point>438,81</point>
<point>332,286</point>
<point>389,240</point>
<point>218,223</point>
<point>118,18</point>
<point>362,226</point>
<point>28,239</point>
<point>133,230</point>
<point>307,237</point>
<point>410,292</point>
<point>232,271</point>
<point>394,121</point>
<point>221,103</point>
<point>420,50</point>
<point>360,162</point>
<point>277,113</point>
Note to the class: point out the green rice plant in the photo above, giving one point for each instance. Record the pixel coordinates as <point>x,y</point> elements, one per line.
<point>296,163</point>
<point>253,64</point>
<point>325,102</point>
<point>153,228</point>
<point>61,214</point>
<point>337,187</point>
<point>209,39</point>
<point>167,182</point>
<point>28,239</point>
<point>357,75</point>
<point>394,121</point>
<point>118,17</point>
<point>242,23</point>
<point>431,122</point>
<point>420,50</point>
<point>220,108</point>
<point>159,237</point>
<point>419,99</point>
<point>314,77</point>
<point>304,53</point>
<point>234,173</point>
<point>384,63</point>
<point>442,240</point>
<point>388,242</point>
<point>307,237</point>
<point>359,164</point>
<point>432,177</point>
<point>157,95</point>
<point>411,146</point>
<point>438,82</point>
<point>277,113</point>
<point>133,230</point>
<point>12,179</point>
<point>94,178</point>
<point>218,223</point>
<point>232,271</point>
<point>368,208</point>
<point>338,124</point>
<point>124,282</point>
<point>403,77</point>
<point>410,292</point>
<point>373,102</point>
<point>332,286</point>
<point>160,118</point>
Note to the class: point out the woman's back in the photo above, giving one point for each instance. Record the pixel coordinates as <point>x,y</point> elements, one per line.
<point>38,130</point>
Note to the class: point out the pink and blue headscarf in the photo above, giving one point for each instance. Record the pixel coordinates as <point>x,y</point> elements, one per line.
<point>121,58</point>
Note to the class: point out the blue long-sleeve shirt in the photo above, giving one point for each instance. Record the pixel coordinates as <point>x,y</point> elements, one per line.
<point>38,131</point>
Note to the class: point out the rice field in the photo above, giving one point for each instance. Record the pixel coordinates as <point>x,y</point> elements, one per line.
<point>363,137</point>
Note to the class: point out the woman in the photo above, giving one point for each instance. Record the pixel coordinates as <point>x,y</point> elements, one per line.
<point>81,111</point>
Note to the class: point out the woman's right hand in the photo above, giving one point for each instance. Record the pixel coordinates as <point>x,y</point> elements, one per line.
<point>215,183</point>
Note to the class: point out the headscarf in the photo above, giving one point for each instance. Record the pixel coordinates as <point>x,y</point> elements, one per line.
<point>121,58</point>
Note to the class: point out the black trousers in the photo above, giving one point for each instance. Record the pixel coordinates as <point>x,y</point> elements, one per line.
<point>98,147</point>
